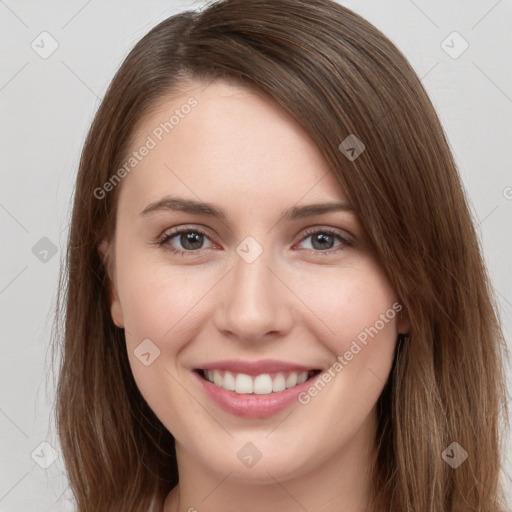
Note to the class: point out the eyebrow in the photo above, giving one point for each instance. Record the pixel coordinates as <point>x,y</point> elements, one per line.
<point>201,208</point>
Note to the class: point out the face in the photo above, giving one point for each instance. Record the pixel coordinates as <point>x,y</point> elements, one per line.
<point>255,299</point>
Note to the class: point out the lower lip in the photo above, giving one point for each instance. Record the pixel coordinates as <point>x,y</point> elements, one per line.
<point>253,406</point>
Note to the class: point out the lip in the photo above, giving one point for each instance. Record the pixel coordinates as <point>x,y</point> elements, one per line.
<point>253,405</point>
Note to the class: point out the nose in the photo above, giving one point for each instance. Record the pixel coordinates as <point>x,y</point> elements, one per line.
<point>253,303</point>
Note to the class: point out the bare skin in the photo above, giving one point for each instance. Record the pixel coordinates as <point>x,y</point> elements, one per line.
<point>298,302</point>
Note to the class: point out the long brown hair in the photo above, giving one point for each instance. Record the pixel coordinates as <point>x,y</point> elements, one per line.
<point>337,75</point>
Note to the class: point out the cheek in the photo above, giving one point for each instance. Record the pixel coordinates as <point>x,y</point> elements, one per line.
<point>164,309</point>
<point>358,310</point>
<point>154,308</point>
<point>158,311</point>
<point>157,302</point>
<point>353,303</point>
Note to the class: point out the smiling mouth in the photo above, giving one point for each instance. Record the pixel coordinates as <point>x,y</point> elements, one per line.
<point>262,384</point>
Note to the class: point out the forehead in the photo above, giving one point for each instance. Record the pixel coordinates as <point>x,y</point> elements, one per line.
<point>230,142</point>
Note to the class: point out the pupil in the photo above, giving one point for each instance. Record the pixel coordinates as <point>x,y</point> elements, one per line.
<point>322,238</point>
<point>194,239</point>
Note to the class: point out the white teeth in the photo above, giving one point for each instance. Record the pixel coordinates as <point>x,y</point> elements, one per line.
<point>302,377</point>
<point>229,381</point>
<point>291,380</point>
<point>243,383</point>
<point>278,384</point>
<point>217,378</point>
<point>262,384</point>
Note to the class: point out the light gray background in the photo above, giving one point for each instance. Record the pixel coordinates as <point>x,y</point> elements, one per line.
<point>48,104</point>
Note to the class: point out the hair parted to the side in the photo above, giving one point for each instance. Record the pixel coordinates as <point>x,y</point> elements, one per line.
<point>336,75</point>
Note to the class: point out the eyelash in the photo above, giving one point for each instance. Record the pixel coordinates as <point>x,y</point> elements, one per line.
<point>311,231</point>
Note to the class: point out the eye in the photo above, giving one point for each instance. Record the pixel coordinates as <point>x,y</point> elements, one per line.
<point>322,240</point>
<point>191,239</point>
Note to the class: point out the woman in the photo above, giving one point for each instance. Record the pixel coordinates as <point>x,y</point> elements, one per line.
<point>274,289</point>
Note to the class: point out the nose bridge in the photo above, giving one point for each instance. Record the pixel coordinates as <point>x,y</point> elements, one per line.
<point>252,277</point>
<point>254,301</point>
